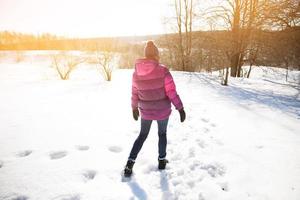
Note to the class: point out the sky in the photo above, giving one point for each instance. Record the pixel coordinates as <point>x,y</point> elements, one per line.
<point>85,18</point>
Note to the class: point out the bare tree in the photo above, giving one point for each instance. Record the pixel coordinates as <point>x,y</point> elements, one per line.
<point>105,60</point>
<point>103,54</point>
<point>283,14</point>
<point>241,17</point>
<point>255,46</point>
<point>184,27</point>
<point>282,51</point>
<point>65,64</point>
<point>19,56</point>
<point>241,43</point>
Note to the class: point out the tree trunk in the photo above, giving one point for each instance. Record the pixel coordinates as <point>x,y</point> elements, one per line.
<point>235,39</point>
<point>287,71</point>
<point>239,65</point>
<point>178,8</point>
<point>250,68</point>
<point>234,65</point>
<point>225,82</point>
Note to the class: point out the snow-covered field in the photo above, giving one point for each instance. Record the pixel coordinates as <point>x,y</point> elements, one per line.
<point>69,140</point>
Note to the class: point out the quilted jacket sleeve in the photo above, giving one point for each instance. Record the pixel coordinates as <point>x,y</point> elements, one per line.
<point>134,94</point>
<point>171,92</point>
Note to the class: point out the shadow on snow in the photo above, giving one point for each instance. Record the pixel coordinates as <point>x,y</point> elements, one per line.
<point>285,103</point>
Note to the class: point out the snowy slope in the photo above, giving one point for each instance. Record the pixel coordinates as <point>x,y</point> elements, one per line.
<point>69,140</point>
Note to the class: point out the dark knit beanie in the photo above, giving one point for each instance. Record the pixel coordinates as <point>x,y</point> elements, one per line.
<point>151,51</point>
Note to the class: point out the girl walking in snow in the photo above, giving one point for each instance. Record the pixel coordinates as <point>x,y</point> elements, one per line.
<point>153,91</point>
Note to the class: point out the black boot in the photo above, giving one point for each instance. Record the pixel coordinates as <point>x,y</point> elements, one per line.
<point>162,163</point>
<point>128,168</point>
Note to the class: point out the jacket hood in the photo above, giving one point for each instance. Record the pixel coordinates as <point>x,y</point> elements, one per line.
<point>145,66</point>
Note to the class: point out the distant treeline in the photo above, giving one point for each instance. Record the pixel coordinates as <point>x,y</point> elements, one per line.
<point>20,41</point>
<point>209,52</point>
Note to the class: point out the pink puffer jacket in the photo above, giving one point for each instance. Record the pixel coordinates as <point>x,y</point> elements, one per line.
<point>153,90</point>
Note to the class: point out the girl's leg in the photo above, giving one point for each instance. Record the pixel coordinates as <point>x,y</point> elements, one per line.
<point>145,128</point>
<point>162,138</point>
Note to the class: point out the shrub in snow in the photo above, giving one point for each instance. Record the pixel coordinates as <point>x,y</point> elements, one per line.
<point>19,56</point>
<point>106,62</point>
<point>65,63</point>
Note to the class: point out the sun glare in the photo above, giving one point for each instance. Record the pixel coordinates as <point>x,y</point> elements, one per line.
<point>89,18</point>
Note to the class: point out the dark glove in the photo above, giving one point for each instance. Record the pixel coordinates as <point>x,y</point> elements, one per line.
<point>182,115</point>
<point>135,113</point>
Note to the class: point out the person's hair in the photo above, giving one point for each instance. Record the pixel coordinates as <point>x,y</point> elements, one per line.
<point>151,51</point>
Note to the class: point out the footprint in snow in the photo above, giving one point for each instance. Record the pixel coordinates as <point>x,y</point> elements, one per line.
<point>82,147</point>
<point>184,139</point>
<point>115,149</point>
<point>1,164</point>
<point>191,183</point>
<point>200,196</point>
<point>213,125</point>
<point>206,130</point>
<point>201,143</point>
<point>195,165</point>
<point>67,197</point>
<point>20,198</point>
<point>205,120</point>
<point>214,169</point>
<point>224,186</point>
<point>89,175</point>
<point>57,155</point>
<point>191,152</point>
<point>24,153</point>
<point>15,197</point>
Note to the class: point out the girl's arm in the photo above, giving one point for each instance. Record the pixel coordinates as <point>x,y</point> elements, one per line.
<point>134,94</point>
<point>170,89</point>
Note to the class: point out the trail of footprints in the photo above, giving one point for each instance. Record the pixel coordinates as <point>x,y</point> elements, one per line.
<point>207,121</point>
<point>196,172</point>
<point>214,169</point>
<point>87,175</point>
<point>196,168</point>
<point>55,155</point>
